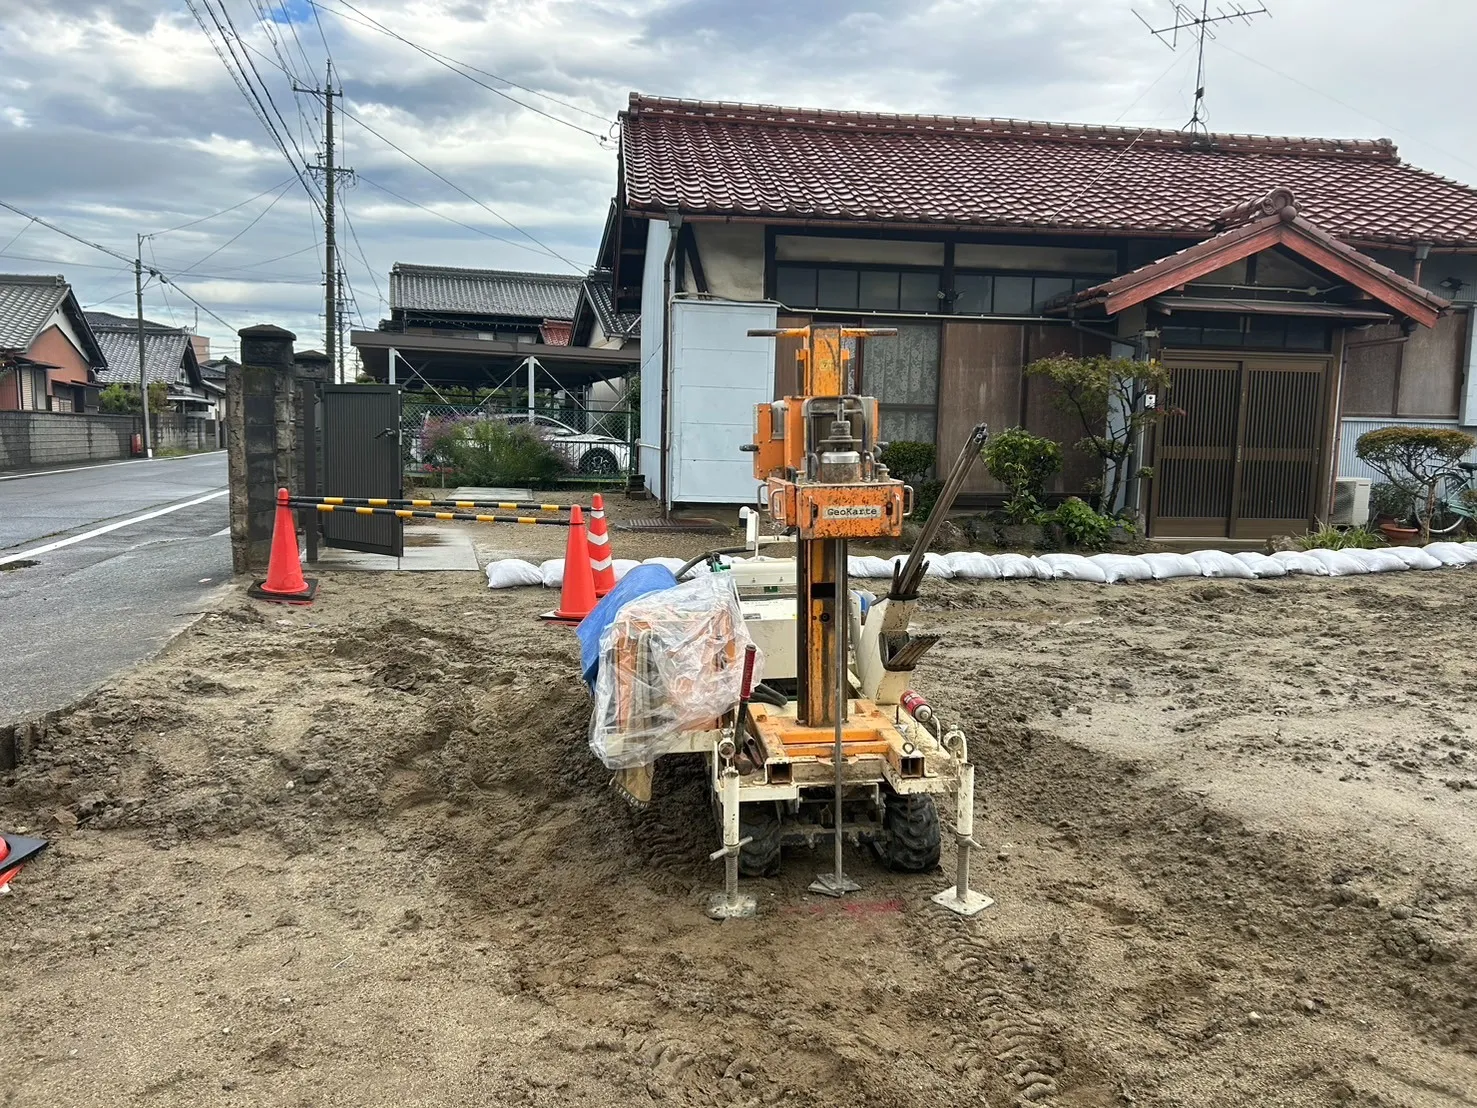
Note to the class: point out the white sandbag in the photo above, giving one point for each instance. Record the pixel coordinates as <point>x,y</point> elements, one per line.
<point>1015,566</point>
<point>623,566</point>
<point>972,565</point>
<point>1165,566</point>
<point>1074,567</point>
<point>674,564</point>
<point>933,565</point>
<point>1414,557</point>
<point>1378,561</point>
<point>509,573</point>
<point>1217,563</point>
<point>1122,567</point>
<point>551,573</point>
<point>864,565</point>
<point>1337,562</point>
<point>1451,553</point>
<point>1260,564</point>
<point>1300,561</point>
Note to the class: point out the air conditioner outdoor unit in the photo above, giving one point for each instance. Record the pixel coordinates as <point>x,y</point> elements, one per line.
<point>1350,502</point>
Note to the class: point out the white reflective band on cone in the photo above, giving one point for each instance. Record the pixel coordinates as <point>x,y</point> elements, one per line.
<point>603,563</point>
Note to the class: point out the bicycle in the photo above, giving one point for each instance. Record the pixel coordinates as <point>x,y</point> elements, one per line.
<point>1454,504</point>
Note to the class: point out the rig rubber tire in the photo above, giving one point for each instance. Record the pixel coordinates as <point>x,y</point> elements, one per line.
<point>912,823</point>
<point>760,858</point>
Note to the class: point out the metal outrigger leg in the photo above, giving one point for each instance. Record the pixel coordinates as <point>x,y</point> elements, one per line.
<point>730,903</point>
<point>961,899</point>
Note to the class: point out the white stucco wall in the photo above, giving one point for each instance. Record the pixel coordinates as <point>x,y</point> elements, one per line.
<point>719,374</point>
<point>653,335</point>
<point>733,259</point>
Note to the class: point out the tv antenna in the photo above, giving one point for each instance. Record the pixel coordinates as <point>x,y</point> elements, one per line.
<point>1201,26</point>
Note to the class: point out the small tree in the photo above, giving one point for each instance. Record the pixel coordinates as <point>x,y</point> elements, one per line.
<point>1093,389</point>
<point>1414,459</point>
<point>1023,463</point>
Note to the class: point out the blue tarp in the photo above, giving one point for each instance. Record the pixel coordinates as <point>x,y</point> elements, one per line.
<point>638,582</point>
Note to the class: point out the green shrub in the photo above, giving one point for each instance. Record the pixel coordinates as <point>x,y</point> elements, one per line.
<point>1023,463</point>
<point>1331,538</point>
<point>909,461</point>
<point>496,452</point>
<point>122,399</point>
<point>1081,524</point>
<point>1387,501</point>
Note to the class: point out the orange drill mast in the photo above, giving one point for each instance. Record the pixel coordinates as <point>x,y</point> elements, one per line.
<point>817,455</point>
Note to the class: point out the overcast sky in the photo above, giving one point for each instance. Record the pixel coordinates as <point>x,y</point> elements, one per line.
<point>117,116</point>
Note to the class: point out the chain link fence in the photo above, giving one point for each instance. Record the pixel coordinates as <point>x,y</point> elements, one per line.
<point>595,443</point>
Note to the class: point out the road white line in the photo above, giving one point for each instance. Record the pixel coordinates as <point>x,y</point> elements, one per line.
<point>222,531</point>
<point>96,531</point>
<point>106,465</point>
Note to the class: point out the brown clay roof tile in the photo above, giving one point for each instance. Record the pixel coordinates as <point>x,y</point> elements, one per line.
<point>797,163</point>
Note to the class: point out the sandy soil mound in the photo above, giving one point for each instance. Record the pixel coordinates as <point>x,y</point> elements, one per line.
<point>359,854</point>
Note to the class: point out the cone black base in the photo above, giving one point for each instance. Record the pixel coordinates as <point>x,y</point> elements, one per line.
<point>256,592</point>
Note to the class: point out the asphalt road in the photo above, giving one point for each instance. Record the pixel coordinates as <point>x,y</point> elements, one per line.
<point>97,605</point>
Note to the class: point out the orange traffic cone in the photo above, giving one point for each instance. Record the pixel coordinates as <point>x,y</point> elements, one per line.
<point>577,592</point>
<point>15,849</point>
<point>285,583</point>
<point>600,561</point>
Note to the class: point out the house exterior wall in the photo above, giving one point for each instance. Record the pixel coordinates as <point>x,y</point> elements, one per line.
<point>719,374</point>
<point>733,260</point>
<point>653,341</point>
<point>56,347</point>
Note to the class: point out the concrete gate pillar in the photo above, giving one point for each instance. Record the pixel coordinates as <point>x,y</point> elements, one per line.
<point>261,439</point>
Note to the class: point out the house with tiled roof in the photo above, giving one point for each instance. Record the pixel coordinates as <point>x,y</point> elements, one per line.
<point>1298,290</point>
<point>482,329</point>
<point>49,357</point>
<point>169,357</point>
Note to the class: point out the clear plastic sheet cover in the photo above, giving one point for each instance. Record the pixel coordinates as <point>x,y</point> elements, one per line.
<point>670,662</point>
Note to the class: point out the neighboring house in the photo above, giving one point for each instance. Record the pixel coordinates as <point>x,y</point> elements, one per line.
<point>487,329</point>
<point>213,379</point>
<point>1299,290</point>
<point>49,357</point>
<point>598,324</point>
<point>169,356</point>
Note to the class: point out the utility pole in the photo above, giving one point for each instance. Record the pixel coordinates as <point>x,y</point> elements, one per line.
<point>330,262</point>
<point>143,381</point>
<point>331,342</point>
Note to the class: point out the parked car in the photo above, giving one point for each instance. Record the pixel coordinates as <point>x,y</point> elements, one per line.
<point>588,452</point>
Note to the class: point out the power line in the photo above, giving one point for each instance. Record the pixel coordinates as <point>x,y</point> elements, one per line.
<point>70,263</point>
<point>223,211</point>
<point>443,60</point>
<point>248,92</point>
<point>66,234</point>
<point>283,192</point>
<point>452,219</point>
<point>354,234</point>
<point>446,181</point>
<point>257,73</point>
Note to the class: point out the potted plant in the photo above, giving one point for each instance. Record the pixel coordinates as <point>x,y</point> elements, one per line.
<point>1391,510</point>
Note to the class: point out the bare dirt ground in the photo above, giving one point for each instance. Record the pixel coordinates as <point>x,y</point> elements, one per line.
<point>358,854</point>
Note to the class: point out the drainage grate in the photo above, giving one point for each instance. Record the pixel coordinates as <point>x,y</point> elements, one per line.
<point>697,525</point>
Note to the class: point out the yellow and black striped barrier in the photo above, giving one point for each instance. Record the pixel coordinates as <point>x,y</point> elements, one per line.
<point>323,505</point>
<point>392,502</point>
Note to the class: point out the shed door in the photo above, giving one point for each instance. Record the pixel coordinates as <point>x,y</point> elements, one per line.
<point>1243,459</point>
<point>361,457</point>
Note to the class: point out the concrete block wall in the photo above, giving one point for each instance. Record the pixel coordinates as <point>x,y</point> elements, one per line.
<point>31,439</point>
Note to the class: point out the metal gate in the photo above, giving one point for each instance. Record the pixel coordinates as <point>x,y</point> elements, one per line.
<point>361,457</point>
<point>1243,460</point>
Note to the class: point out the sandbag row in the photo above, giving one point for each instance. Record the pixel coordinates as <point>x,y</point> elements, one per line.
<point>1098,568</point>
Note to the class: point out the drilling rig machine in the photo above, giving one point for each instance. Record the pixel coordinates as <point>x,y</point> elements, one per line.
<point>832,744</point>
<point>854,751</point>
